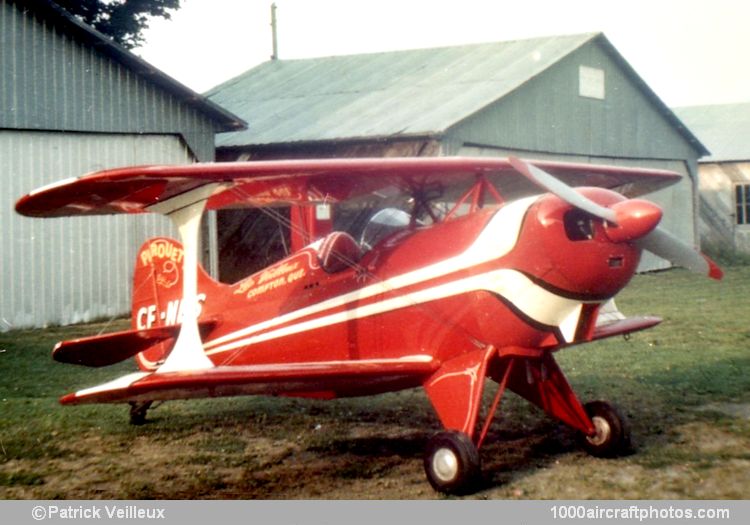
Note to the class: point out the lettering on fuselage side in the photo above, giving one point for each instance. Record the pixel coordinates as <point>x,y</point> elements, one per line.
<point>538,304</point>
<point>271,279</point>
<point>147,316</point>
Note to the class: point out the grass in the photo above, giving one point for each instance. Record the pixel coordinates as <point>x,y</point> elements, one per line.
<point>685,386</point>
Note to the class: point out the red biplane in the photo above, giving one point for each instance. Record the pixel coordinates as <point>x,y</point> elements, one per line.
<point>466,269</point>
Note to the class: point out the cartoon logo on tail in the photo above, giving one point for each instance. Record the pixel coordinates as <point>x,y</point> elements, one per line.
<point>169,275</point>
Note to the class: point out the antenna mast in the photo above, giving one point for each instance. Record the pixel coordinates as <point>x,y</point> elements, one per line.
<point>275,52</point>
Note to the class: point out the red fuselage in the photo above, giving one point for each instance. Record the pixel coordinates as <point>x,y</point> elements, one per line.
<point>530,274</point>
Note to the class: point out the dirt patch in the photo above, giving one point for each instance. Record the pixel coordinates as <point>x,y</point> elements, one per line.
<point>370,449</point>
<point>738,410</point>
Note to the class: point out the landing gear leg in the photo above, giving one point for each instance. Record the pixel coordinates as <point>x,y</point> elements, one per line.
<point>452,463</point>
<point>138,411</point>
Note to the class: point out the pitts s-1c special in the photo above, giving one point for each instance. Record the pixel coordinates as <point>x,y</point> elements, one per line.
<point>467,269</point>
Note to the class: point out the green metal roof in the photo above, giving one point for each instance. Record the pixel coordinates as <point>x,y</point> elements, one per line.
<point>416,92</point>
<point>724,128</point>
<point>420,93</point>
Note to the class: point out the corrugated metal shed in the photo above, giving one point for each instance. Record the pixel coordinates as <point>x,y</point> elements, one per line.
<point>724,128</point>
<point>56,73</point>
<point>63,271</point>
<point>420,92</point>
<point>71,101</point>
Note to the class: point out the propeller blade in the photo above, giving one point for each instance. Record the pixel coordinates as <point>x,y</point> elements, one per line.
<point>548,182</point>
<point>667,246</point>
<point>658,241</point>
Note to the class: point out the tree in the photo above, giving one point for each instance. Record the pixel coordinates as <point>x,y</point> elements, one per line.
<point>121,20</point>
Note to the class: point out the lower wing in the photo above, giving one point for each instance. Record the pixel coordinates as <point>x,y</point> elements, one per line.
<point>319,379</point>
<point>624,326</point>
<point>612,322</point>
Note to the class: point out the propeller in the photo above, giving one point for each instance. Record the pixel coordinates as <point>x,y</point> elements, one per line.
<point>557,187</point>
<point>667,246</point>
<point>630,220</point>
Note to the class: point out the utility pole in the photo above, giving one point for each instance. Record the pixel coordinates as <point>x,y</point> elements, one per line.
<point>275,53</point>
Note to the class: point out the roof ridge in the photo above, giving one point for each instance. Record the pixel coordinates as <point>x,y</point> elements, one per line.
<point>588,35</point>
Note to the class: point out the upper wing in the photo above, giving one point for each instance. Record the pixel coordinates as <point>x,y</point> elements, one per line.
<point>141,189</point>
<point>320,378</point>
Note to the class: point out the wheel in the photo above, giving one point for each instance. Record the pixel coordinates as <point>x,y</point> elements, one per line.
<point>451,463</point>
<point>612,431</point>
<point>138,412</point>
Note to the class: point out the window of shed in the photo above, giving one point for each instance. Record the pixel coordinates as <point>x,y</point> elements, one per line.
<point>742,200</point>
<point>591,82</point>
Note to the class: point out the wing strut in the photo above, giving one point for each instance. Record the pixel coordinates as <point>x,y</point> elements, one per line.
<point>185,211</point>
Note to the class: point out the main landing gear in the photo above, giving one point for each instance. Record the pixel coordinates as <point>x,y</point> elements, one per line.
<point>453,466</point>
<point>452,461</point>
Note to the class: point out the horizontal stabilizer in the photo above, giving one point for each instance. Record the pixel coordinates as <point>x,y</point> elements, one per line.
<point>108,349</point>
<point>333,376</point>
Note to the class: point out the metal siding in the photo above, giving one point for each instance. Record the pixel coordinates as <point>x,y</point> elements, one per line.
<point>547,114</point>
<point>50,81</point>
<point>73,269</point>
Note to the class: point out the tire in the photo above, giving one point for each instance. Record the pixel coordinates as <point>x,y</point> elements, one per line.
<point>138,412</point>
<point>613,432</point>
<point>451,463</point>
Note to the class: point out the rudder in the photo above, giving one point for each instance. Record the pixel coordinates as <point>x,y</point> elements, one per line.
<point>157,293</point>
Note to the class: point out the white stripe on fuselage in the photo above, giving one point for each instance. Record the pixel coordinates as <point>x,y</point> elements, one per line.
<point>497,239</point>
<point>534,301</point>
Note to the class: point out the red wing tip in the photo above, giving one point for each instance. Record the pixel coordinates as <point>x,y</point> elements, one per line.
<point>69,399</point>
<point>715,272</point>
<point>23,208</point>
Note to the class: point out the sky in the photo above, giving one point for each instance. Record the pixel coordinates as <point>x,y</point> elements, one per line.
<point>690,52</point>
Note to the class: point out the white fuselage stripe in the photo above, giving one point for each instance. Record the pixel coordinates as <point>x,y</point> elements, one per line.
<point>534,301</point>
<point>120,383</point>
<point>496,240</point>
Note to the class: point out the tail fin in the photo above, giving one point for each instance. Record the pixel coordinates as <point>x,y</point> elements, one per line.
<point>157,293</point>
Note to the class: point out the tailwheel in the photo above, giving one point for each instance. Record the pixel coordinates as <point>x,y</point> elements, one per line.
<point>452,463</point>
<point>138,412</point>
<point>612,436</point>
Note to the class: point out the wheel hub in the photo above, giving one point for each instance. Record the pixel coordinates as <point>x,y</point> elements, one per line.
<point>445,465</point>
<point>603,431</point>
